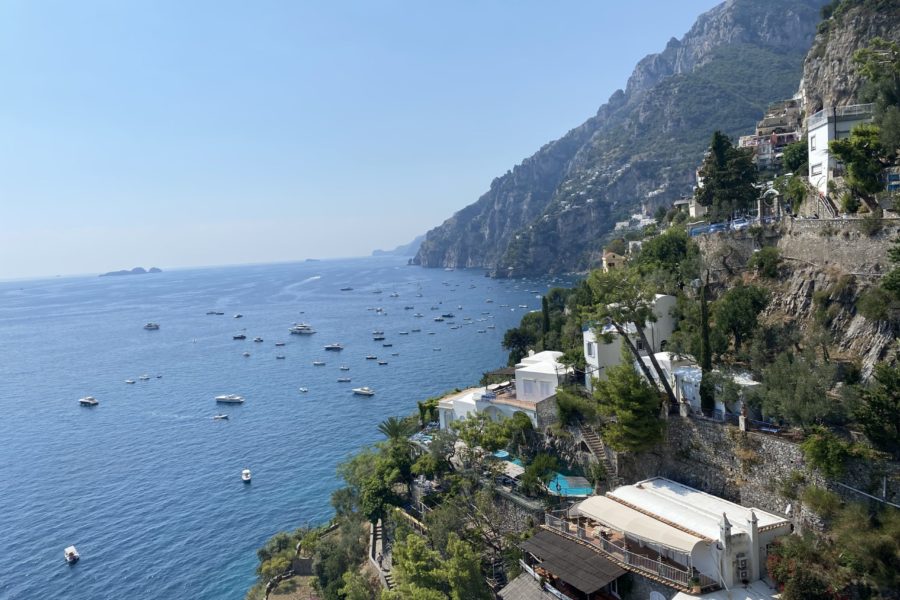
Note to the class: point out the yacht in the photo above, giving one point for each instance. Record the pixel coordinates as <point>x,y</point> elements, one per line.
<point>129,381</point>
<point>382,362</point>
<point>230,399</point>
<point>371,357</point>
<point>71,555</point>
<point>343,380</point>
<point>345,368</point>
<point>377,338</point>
<point>257,339</point>
<point>364,391</point>
<point>88,401</point>
<point>302,329</point>
<point>245,475</point>
<point>151,326</point>
<point>335,347</point>
<point>303,390</point>
<point>318,363</point>
<point>404,333</point>
<point>239,336</point>
<point>220,417</point>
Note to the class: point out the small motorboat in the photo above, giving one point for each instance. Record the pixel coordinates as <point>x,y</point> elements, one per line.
<point>246,354</point>
<point>335,347</point>
<point>404,333</point>
<point>257,339</point>
<point>371,357</point>
<point>159,376</point>
<point>279,343</point>
<point>382,362</point>
<point>364,391</point>
<point>346,289</point>
<point>303,390</point>
<point>418,315</point>
<point>144,377</point>
<point>386,345</point>
<point>436,349</point>
<point>245,475</point>
<point>221,417</point>
<point>343,380</point>
<point>129,381</point>
<point>239,336</point>
<point>210,312</point>
<point>377,338</point>
<point>230,399</point>
<point>88,401</point>
<point>345,368</point>
<point>395,295</point>
<point>395,354</point>
<point>71,555</point>
<point>416,330</point>
<point>377,332</point>
<point>238,316</point>
<point>151,326</point>
<point>279,357</point>
<point>318,363</point>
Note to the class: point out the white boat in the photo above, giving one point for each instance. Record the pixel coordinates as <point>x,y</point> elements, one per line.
<point>151,326</point>
<point>371,357</point>
<point>364,391</point>
<point>382,362</point>
<point>220,417</point>
<point>343,380</point>
<point>318,363</point>
<point>230,399</point>
<point>144,377</point>
<point>303,390</point>
<point>245,475</point>
<point>345,368</point>
<point>257,339</point>
<point>301,329</point>
<point>239,336</point>
<point>279,357</point>
<point>71,555</point>
<point>129,381</point>
<point>246,354</point>
<point>88,401</point>
<point>335,347</point>
<point>404,333</point>
<point>238,316</point>
<point>279,343</point>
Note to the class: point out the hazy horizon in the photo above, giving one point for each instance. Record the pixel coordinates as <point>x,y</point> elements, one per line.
<point>212,133</point>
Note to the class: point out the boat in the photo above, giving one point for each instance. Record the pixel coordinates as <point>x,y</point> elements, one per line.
<point>246,354</point>
<point>448,315</point>
<point>377,332</point>
<point>219,312</point>
<point>257,339</point>
<point>151,326</point>
<point>377,338</point>
<point>403,333</point>
<point>301,329</point>
<point>88,401</point>
<point>343,379</point>
<point>279,343</point>
<point>364,391</point>
<point>230,399</point>
<point>239,336</point>
<point>371,357</point>
<point>279,357</point>
<point>245,475</point>
<point>335,347</point>
<point>144,377</point>
<point>345,368</point>
<point>318,363</point>
<point>71,555</point>
<point>303,390</point>
<point>395,295</point>
<point>346,289</point>
<point>220,417</point>
<point>408,307</point>
<point>395,354</point>
<point>211,312</point>
<point>386,345</point>
<point>129,381</point>
<point>418,315</point>
<point>416,330</point>
<point>238,316</point>
<point>376,291</point>
<point>439,319</point>
<point>382,362</point>
<point>436,349</point>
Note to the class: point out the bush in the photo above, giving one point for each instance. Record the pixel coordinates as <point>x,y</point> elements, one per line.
<point>820,500</point>
<point>874,304</point>
<point>849,203</point>
<point>872,223</point>
<point>766,262</point>
<point>825,451</point>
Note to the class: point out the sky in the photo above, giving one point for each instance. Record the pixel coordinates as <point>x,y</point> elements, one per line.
<point>178,133</point>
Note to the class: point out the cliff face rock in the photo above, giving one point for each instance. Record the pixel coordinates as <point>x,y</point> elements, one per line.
<point>549,213</point>
<point>829,76</point>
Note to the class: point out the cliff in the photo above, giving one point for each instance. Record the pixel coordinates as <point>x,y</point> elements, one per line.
<point>548,213</point>
<point>829,75</point>
<point>409,249</point>
<point>134,271</point>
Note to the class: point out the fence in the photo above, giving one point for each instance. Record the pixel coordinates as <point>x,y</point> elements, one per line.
<point>637,562</point>
<point>547,587</point>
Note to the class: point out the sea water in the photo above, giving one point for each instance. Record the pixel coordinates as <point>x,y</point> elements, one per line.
<point>147,485</point>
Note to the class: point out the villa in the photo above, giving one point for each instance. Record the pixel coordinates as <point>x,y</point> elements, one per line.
<point>825,126</point>
<point>533,393</point>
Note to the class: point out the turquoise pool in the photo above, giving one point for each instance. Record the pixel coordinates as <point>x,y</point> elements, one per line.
<point>569,485</point>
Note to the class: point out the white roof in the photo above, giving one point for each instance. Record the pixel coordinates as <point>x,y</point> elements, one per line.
<point>543,362</point>
<point>620,517</point>
<point>758,590</point>
<point>512,470</point>
<point>690,508</point>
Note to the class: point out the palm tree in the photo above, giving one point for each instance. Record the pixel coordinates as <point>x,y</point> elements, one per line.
<point>394,428</point>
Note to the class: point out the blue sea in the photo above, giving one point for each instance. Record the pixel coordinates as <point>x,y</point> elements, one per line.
<point>146,484</point>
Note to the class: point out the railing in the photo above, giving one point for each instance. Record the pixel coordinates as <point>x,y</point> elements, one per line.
<point>637,562</point>
<point>843,111</point>
<point>549,588</point>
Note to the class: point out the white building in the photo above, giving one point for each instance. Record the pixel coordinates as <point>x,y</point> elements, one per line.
<point>724,542</point>
<point>826,125</point>
<point>685,382</point>
<point>601,355</point>
<point>533,393</point>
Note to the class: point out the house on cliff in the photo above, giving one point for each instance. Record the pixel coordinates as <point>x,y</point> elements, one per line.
<point>833,123</point>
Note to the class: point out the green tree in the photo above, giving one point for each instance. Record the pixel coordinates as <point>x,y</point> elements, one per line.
<point>728,176</point>
<point>766,261</point>
<point>416,564</point>
<point>395,428</point>
<point>573,408</point>
<point>879,411</point>
<point>478,430</point>
<point>796,390</point>
<point>879,64</point>
<point>355,587</point>
<point>538,472</point>
<point>463,571</point>
<point>518,340</point>
<point>635,406</point>
<point>795,157</point>
<point>545,316</point>
<point>736,312</point>
<point>618,246</point>
<point>865,159</point>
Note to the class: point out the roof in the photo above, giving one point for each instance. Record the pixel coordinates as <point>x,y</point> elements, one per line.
<point>637,524</point>
<point>524,587</point>
<point>512,470</point>
<point>690,508</point>
<point>576,564</point>
<point>758,590</point>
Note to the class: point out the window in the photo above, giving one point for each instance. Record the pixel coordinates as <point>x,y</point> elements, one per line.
<point>812,142</point>
<point>590,348</point>
<point>816,169</point>
<point>639,344</point>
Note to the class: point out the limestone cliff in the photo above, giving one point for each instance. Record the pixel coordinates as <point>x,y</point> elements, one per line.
<point>549,212</point>
<point>829,76</point>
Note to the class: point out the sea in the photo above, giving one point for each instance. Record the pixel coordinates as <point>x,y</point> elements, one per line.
<point>147,485</point>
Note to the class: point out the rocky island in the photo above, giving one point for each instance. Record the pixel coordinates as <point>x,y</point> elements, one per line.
<point>134,271</point>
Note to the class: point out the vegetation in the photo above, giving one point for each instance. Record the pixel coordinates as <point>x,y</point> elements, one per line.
<point>728,176</point>
<point>635,406</point>
<point>737,311</point>
<point>766,262</point>
<point>879,410</point>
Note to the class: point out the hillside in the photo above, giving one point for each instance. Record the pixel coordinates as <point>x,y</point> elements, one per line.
<point>548,213</point>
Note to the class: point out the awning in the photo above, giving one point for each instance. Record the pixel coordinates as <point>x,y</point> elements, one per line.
<point>577,565</point>
<point>636,524</point>
<point>512,470</point>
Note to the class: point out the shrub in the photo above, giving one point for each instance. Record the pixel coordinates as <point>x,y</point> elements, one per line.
<point>874,304</point>
<point>820,500</point>
<point>849,203</point>
<point>872,223</point>
<point>766,262</point>
<point>825,451</point>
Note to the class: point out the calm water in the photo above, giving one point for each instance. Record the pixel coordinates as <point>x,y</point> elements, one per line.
<point>146,484</point>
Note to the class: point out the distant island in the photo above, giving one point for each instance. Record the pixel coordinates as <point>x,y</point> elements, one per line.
<point>134,271</point>
<point>409,249</point>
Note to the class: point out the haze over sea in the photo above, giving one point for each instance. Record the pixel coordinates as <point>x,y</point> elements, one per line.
<point>147,485</point>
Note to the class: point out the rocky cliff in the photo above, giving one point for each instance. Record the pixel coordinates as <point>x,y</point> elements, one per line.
<point>548,214</point>
<point>829,76</point>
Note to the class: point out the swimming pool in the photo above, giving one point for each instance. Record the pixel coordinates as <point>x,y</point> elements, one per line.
<point>569,485</point>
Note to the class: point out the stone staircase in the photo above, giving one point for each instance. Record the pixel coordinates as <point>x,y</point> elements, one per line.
<point>595,444</point>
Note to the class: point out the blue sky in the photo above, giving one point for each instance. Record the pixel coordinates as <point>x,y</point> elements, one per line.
<point>185,133</point>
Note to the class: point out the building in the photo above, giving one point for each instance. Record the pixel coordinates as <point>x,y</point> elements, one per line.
<point>612,261</point>
<point>780,126</point>
<point>674,534</point>
<point>826,125</point>
<point>533,393</point>
<point>600,354</point>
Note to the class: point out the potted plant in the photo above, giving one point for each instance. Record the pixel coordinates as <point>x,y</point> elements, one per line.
<point>695,584</point>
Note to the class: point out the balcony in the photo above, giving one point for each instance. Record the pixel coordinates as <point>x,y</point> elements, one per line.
<point>634,559</point>
<point>854,110</point>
